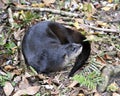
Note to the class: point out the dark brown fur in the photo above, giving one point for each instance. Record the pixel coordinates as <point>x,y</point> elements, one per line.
<point>47,39</point>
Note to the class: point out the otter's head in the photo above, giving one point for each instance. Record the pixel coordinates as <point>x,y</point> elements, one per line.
<point>72,51</point>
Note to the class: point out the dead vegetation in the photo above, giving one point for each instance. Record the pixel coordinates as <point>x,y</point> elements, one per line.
<point>99,21</point>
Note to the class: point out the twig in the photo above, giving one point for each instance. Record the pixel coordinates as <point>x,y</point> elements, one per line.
<point>101,29</point>
<point>11,20</point>
<point>49,10</point>
<point>113,21</point>
<point>63,13</point>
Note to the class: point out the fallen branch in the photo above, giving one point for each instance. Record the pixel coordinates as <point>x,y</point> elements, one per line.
<point>63,13</point>
<point>49,10</point>
<point>101,29</point>
<point>113,21</point>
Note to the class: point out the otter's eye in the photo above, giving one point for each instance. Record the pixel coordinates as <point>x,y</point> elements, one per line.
<point>73,49</point>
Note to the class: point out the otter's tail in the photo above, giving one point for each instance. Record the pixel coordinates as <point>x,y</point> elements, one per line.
<point>82,58</point>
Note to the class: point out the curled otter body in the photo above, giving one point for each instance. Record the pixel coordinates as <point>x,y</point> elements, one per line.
<point>49,46</point>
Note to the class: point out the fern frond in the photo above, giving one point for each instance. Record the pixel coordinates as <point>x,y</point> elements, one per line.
<point>90,76</point>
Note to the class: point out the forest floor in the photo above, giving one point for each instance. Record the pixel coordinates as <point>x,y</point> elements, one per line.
<point>98,21</point>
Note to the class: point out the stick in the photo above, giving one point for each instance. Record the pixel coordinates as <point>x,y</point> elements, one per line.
<point>101,29</point>
<point>11,20</point>
<point>63,13</point>
<point>113,21</point>
<point>49,10</point>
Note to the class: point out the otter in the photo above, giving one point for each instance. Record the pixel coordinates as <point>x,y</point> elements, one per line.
<point>49,46</point>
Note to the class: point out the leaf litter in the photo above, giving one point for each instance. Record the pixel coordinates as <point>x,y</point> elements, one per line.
<point>99,21</point>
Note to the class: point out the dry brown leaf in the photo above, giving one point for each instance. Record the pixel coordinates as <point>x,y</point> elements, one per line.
<point>2,72</point>
<point>17,79</point>
<point>101,23</point>
<point>28,91</point>
<point>106,56</point>
<point>81,94</point>
<point>48,2</point>
<point>41,5</point>
<point>91,37</point>
<point>101,60</point>
<point>118,54</point>
<point>4,1</point>
<point>9,67</point>
<point>1,29</point>
<point>115,94</point>
<point>106,8</point>
<point>5,36</point>
<point>81,21</point>
<point>21,6</point>
<point>48,81</point>
<point>8,88</point>
<point>41,76</point>
<point>76,24</point>
<point>24,83</point>
<point>94,47</point>
<point>97,94</point>
<point>18,34</point>
<point>75,92</point>
<point>73,84</point>
<point>54,93</point>
<point>17,71</point>
<point>110,1</point>
<point>27,75</point>
<point>89,16</point>
<point>60,21</point>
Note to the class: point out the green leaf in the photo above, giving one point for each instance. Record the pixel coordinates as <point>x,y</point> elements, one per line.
<point>4,78</point>
<point>2,39</point>
<point>10,45</point>
<point>33,70</point>
<point>89,7</point>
